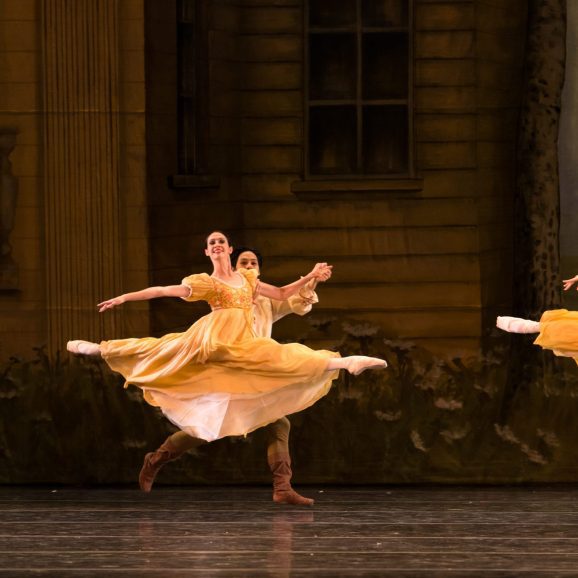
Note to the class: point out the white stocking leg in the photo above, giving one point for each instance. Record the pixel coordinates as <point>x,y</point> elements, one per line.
<point>355,364</point>
<point>80,347</point>
<point>517,325</point>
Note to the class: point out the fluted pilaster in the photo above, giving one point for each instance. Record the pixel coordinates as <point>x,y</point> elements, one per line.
<point>81,167</point>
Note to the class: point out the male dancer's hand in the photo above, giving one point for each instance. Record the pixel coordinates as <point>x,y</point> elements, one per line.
<point>324,275</point>
<point>569,282</point>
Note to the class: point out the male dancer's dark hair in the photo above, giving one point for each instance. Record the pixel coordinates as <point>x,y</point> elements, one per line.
<point>238,250</point>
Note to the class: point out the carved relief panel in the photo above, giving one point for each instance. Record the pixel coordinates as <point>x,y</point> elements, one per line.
<point>8,195</point>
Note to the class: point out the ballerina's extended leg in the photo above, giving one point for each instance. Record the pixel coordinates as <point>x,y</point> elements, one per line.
<point>356,364</point>
<point>80,347</point>
<point>517,325</point>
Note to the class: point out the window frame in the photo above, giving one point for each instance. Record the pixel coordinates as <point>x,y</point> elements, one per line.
<point>358,102</point>
<point>192,117</point>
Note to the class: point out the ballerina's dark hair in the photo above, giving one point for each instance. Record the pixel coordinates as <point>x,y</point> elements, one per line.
<point>238,250</point>
<point>221,232</point>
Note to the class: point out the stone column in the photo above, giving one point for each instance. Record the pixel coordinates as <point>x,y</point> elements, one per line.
<point>81,168</point>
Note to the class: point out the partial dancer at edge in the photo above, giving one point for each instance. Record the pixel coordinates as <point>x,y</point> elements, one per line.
<point>558,329</point>
<point>232,382</point>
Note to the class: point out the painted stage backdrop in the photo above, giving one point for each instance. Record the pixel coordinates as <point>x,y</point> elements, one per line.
<point>412,143</point>
<point>424,419</point>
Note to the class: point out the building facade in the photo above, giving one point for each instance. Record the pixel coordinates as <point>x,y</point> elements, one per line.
<point>376,135</point>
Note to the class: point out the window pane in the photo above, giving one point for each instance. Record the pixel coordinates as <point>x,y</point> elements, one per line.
<point>187,135</point>
<point>385,12</point>
<point>332,13</point>
<point>332,66</point>
<point>385,66</point>
<point>385,142</point>
<point>187,59</point>
<point>332,140</point>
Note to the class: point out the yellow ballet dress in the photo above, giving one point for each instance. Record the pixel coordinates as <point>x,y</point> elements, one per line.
<point>218,378</point>
<point>559,332</point>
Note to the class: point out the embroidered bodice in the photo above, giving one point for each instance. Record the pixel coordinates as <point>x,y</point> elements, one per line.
<point>225,296</point>
<point>221,295</point>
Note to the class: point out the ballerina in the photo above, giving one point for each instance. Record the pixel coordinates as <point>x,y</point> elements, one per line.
<point>557,329</point>
<point>230,380</point>
<point>266,311</point>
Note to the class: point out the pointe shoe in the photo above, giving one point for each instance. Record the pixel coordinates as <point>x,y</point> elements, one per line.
<point>81,347</point>
<point>357,364</point>
<point>517,325</point>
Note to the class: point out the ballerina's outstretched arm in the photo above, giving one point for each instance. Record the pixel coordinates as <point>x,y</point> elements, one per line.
<point>321,272</point>
<point>81,347</point>
<point>145,295</point>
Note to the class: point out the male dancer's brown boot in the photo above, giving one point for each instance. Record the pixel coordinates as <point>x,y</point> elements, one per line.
<point>154,461</point>
<point>283,493</point>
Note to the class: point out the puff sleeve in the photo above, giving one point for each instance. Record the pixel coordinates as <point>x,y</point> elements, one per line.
<point>200,287</point>
<point>299,304</point>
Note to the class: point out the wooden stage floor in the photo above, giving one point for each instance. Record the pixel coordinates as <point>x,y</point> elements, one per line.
<point>237,531</point>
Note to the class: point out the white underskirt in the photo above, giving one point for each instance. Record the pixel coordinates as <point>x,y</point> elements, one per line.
<point>218,415</point>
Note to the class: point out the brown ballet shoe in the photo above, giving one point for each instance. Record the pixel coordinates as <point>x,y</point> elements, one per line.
<point>357,364</point>
<point>81,347</point>
<point>283,493</point>
<point>292,498</point>
<point>153,462</point>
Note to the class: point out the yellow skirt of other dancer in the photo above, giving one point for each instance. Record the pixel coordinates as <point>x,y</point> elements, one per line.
<point>559,332</point>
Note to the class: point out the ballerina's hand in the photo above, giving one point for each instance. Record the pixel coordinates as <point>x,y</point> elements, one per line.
<point>110,304</point>
<point>321,271</point>
<point>569,282</point>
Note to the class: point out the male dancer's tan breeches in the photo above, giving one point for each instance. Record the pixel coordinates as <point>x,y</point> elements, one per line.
<point>278,437</point>
<point>182,442</point>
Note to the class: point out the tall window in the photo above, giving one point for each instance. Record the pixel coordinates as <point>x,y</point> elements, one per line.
<point>192,63</point>
<point>359,88</point>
